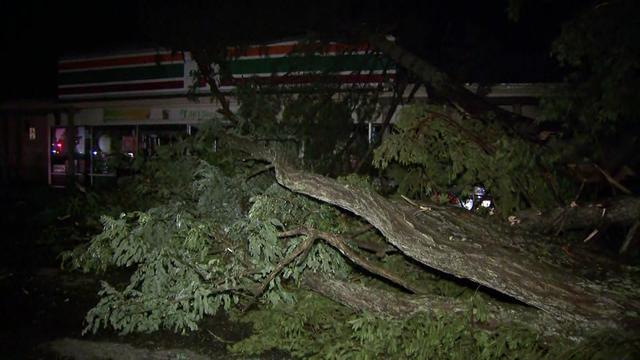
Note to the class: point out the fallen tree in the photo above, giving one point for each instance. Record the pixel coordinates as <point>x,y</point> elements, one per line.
<point>232,239</point>
<point>466,246</point>
<point>228,244</point>
<point>226,237</point>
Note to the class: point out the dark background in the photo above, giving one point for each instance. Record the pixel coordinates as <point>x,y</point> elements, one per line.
<point>472,40</point>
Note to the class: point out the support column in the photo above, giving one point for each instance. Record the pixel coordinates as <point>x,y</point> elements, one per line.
<point>70,146</point>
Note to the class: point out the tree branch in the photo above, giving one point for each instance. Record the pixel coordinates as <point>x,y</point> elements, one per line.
<point>340,244</point>
<point>397,305</point>
<point>466,246</point>
<point>204,65</point>
<point>301,248</point>
<point>448,88</point>
<point>623,210</point>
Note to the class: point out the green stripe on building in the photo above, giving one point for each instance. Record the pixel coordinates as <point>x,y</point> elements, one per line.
<point>122,74</point>
<point>309,64</point>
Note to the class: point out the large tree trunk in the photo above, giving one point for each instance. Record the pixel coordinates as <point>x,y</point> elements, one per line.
<point>445,87</point>
<point>456,242</point>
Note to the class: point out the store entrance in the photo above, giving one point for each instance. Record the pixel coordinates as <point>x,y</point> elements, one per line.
<point>101,154</point>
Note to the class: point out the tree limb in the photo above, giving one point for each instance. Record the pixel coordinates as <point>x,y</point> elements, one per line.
<point>466,246</point>
<point>446,87</point>
<point>304,245</point>
<point>204,62</point>
<point>396,305</point>
<point>622,210</point>
<point>340,244</point>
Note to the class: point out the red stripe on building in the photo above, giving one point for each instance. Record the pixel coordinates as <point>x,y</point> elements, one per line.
<point>131,60</point>
<point>307,79</point>
<point>95,89</point>
<point>270,50</point>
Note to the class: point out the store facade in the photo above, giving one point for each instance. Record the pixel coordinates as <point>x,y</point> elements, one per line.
<point>123,105</point>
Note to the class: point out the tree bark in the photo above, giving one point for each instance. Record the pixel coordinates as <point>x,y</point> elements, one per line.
<point>441,83</point>
<point>204,62</point>
<point>398,305</point>
<point>456,242</point>
<point>459,243</point>
<point>623,210</point>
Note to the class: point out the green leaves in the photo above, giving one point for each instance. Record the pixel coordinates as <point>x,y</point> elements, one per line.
<point>314,327</point>
<point>600,51</point>
<point>434,152</point>
<point>202,251</point>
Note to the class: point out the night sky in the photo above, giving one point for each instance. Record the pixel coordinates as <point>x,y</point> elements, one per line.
<point>36,32</point>
<point>475,41</point>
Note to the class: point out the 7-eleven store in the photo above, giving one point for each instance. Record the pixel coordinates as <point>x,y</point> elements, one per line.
<point>125,105</point>
<point>129,103</point>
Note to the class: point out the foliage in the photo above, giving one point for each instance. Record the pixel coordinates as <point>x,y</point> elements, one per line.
<point>169,247</point>
<point>432,153</point>
<point>305,330</point>
<point>206,248</point>
<point>600,47</point>
<point>599,108</point>
<point>69,218</point>
<point>210,238</point>
<point>318,120</point>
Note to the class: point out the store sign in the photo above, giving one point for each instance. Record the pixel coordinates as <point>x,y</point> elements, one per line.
<point>185,114</point>
<point>126,114</point>
<point>32,133</point>
<point>197,114</point>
